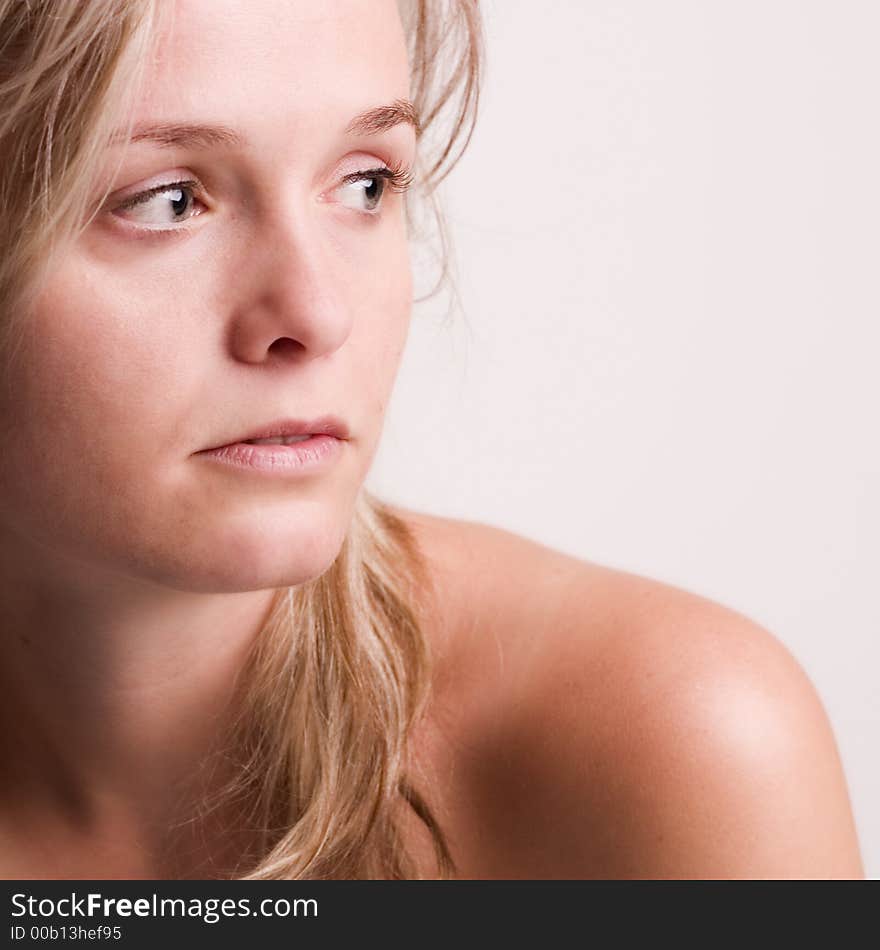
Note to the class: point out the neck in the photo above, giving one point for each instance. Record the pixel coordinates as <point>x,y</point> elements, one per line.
<point>114,697</point>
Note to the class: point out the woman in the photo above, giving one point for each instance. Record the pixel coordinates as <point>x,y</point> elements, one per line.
<point>220,656</point>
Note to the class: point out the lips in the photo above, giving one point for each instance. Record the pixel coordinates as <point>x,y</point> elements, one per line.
<point>281,428</point>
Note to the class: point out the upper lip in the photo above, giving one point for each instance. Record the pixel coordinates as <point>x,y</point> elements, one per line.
<point>323,425</point>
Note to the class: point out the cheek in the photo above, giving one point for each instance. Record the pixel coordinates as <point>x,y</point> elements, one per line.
<point>86,406</point>
<point>399,308</point>
<point>382,334</point>
<point>99,366</point>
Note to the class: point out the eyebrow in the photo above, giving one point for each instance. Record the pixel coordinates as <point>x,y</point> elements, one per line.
<point>382,118</point>
<point>198,136</point>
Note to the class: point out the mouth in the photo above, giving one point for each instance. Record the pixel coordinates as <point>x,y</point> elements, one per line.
<point>278,440</point>
<point>290,432</point>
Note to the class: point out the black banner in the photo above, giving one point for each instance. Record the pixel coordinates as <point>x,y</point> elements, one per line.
<point>197,914</point>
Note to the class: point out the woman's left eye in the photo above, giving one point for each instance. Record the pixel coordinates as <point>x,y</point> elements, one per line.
<point>369,186</point>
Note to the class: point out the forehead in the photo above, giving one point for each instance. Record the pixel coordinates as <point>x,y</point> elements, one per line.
<point>288,63</point>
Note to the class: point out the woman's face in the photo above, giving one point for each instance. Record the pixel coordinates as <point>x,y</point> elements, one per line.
<point>273,288</point>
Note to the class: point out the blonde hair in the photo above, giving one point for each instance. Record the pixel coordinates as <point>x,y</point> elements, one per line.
<point>340,672</point>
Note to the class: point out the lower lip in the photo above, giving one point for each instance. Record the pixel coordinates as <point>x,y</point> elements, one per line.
<point>298,457</point>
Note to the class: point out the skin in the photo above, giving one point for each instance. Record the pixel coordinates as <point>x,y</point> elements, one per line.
<point>591,723</point>
<point>584,723</point>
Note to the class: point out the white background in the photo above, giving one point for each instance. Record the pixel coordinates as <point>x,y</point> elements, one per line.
<point>666,230</point>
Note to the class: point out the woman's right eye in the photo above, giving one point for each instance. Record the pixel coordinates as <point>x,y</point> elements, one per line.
<point>161,207</point>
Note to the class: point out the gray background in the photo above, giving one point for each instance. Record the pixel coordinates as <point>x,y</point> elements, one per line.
<point>666,230</point>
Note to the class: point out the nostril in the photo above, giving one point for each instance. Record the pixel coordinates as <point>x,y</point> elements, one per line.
<point>284,344</point>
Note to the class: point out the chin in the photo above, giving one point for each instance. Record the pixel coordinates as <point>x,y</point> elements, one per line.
<point>234,558</point>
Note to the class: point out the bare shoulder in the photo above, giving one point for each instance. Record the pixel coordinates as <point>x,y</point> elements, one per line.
<point>595,723</point>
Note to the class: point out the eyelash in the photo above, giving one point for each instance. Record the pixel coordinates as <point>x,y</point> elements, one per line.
<point>398,178</point>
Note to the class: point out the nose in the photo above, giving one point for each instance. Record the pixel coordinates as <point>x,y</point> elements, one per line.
<point>290,295</point>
